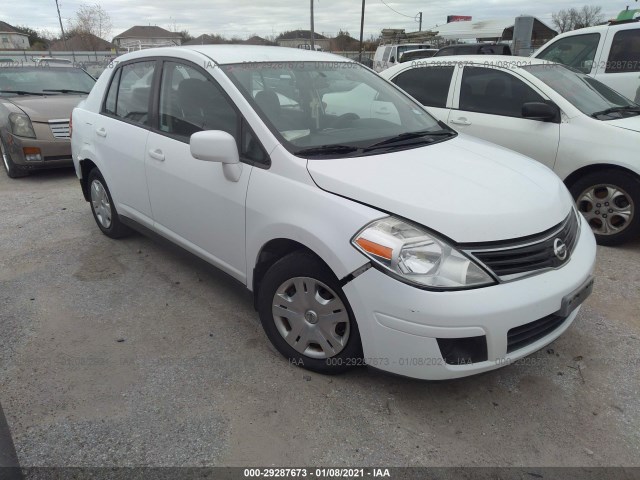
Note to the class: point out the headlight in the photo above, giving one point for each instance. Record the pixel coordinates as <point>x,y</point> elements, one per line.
<point>415,256</point>
<point>21,125</point>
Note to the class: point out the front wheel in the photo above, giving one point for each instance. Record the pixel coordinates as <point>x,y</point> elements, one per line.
<point>609,200</point>
<point>305,314</point>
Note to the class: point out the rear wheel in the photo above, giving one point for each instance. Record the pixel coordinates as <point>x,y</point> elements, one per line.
<point>13,170</point>
<point>609,200</point>
<point>305,314</point>
<point>102,207</point>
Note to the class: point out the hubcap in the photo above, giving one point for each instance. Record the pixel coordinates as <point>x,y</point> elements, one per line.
<point>100,203</point>
<point>311,317</point>
<point>607,208</point>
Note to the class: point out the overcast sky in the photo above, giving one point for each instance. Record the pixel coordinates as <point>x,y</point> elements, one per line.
<point>243,18</point>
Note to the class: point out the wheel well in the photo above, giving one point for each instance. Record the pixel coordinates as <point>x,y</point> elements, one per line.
<point>575,176</point>
<point>270,253</point>
<point>86,166</point>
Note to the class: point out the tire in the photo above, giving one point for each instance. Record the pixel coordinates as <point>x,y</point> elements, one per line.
<point>103,208</point>
<point>303,331</point>
<point>610,201</point>
<point>13,170</point>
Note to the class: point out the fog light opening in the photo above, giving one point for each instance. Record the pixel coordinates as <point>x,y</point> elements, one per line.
<point>32,154</point>
<point>463,351</point>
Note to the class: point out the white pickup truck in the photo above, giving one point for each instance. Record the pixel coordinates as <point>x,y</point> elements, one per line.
<point>610,53</point>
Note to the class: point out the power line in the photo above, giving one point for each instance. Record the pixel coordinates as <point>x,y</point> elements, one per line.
<point>408,16</point>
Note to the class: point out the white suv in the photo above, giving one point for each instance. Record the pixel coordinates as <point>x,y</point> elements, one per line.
<point>379,237</point>
<point>609,53</point>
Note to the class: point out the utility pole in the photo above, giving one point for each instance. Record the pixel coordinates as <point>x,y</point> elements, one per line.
<point>361,32</point>
<point>312,41</point>
<point>64,40</point>
<point>420,28</point>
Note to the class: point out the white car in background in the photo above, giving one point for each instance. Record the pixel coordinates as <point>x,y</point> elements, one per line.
<point>609,53</point>
<point>581,129</point>
<point>388,242</point>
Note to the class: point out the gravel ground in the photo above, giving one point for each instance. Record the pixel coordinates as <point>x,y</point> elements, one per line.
<point>131,353</point>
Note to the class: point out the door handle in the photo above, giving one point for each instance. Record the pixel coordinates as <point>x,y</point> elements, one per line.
<point>461,121</point>
<point>101,132</point>
<point>157,155</point>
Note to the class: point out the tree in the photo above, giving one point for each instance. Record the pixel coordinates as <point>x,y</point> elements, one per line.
<point>573,18</point>
<point>185,35</point>
<point>588,16</point>
<point>91,19</point>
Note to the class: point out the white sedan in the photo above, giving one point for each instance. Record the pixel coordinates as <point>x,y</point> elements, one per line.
<point>584,131</point>
<point>369,235</point>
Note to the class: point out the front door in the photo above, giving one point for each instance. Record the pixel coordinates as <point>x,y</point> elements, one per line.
<point>489,106</point>
<point>193,202</point>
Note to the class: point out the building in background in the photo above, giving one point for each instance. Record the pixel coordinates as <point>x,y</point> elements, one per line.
<point>82,42</point>
<point>12,39</point>
<point>140,37</point>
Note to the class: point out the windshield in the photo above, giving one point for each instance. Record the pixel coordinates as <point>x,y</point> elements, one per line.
<point>585,93</point>
<point>332,108</point>
<point>44,80</point>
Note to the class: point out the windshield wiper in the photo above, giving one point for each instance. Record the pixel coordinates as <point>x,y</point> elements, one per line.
<point>401,138</point>
<point>626,108</point>
<point>21,92</point>
<point>327,150</point>
<point>64,90</point>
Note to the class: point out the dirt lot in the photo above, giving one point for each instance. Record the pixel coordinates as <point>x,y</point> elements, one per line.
<point>122,353</point>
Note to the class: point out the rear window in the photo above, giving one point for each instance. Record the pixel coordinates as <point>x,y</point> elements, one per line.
<point>625,52</point>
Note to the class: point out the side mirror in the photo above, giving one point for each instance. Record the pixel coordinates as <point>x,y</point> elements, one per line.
<point>392,59</point>
<point>217,146</point>
<point>540,111</point>
<point>214,146</point>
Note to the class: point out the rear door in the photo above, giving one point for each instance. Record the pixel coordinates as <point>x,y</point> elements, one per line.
<point>120,135</point>
<point>431,85</point>
<point>195,203</point>
<point>619,67</point>
<point>488,105</point>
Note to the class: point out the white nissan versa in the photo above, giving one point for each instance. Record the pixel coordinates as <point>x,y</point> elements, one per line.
<point>375,236</point>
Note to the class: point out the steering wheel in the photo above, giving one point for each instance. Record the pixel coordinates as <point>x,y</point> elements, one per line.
<point>343,120</point>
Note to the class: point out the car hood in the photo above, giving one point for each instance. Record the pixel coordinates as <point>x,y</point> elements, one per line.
<point>464,188</point>
<point>51,107</point>
<point>629,123</point>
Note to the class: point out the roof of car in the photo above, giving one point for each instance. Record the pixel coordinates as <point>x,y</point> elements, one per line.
<point>481,60</point>
<point>230,54</point>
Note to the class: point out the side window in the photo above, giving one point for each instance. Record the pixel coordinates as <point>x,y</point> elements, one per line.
<point>428,85</point>
<point>625,52</point>
<point>385,55</point>
<point>191,101</point>
<point>112,94</point>
<point>577,51</point>
<point>444,52</point>
<point>128,96</point>
<point>250,147</point>
<point>486,90</point>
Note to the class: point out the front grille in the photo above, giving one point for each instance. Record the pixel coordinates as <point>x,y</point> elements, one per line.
<point>514,259</point>
<point>59,128</point>
<point>520,337</point>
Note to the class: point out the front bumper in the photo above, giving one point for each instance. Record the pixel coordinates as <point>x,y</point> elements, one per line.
<point>399,324</point>
<point>54,152</point>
